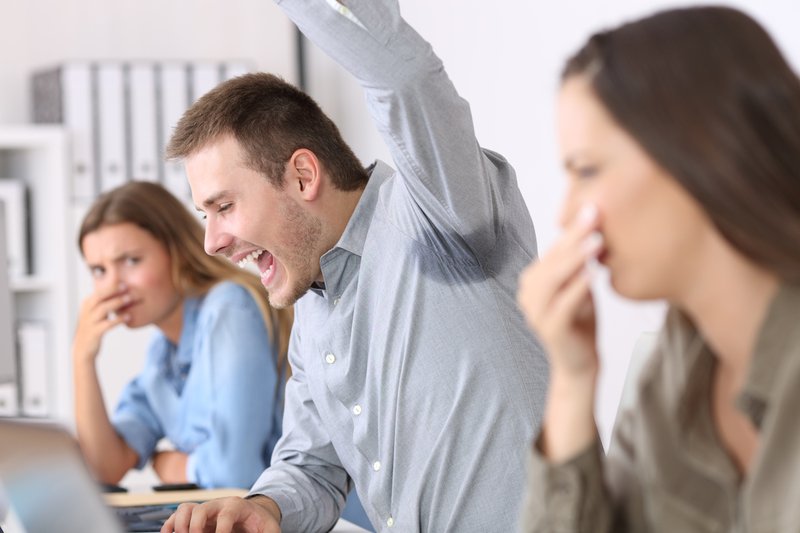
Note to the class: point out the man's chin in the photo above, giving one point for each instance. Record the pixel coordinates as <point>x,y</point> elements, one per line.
<point>284,299</point>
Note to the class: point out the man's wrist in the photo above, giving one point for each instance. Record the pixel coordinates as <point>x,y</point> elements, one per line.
<point>268,504</point>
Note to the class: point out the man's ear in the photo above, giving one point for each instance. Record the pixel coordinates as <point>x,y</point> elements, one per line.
<point>304,174</point>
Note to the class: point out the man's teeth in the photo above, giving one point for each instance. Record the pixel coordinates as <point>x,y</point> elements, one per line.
<point>250,258</point>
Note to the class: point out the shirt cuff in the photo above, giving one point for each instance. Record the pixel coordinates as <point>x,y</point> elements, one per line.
<point>557,493</point>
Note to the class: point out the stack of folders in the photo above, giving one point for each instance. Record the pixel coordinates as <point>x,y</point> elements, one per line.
<point>121,115</point>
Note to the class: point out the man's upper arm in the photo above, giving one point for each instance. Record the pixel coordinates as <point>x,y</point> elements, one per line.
<point>424,122</point>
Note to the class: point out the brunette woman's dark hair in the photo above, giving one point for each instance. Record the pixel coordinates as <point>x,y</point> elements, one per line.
<point>708,95</point>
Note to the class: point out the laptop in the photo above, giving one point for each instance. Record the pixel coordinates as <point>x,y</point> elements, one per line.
<point>46,484</point>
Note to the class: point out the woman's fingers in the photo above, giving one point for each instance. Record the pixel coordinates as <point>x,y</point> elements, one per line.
<point>555,295</point>
<point>580,242</point>
<point>541,283</point>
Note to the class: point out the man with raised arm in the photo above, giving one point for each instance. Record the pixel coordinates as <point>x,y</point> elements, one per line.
<point>414,375</point>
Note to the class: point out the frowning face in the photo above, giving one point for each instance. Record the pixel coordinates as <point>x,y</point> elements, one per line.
<point>127,254</point>
<point>654,231</point>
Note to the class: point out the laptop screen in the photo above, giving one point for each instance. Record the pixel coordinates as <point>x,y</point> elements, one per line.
<point>46,482</point>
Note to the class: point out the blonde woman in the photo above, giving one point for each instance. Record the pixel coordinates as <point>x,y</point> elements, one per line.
<point>213,378</point>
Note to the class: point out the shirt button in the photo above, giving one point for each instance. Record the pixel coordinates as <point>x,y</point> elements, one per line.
<point>356,409</point>
<point>330,358</point>
<point>376,466</point>
<point>390,521</point>
<point>336,301</point>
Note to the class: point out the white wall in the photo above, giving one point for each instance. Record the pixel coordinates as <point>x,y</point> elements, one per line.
<point>504,56</point>
<point>43,33</point>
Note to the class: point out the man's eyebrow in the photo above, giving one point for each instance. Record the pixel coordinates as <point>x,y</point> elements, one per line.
<point>213,199</point>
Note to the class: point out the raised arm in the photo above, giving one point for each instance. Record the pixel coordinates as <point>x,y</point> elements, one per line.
<point>425,123</point>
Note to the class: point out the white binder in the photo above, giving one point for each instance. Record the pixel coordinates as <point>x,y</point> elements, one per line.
<point>8,356</point>
<point>232,69</point>
<point>67,95</point>
<point>8,402</point>
<point>205,76</point>
<point>111,122</point>
<point>145,158</point>
<point>33,376</point>
<point>174,83</point>
<point>12,196</point>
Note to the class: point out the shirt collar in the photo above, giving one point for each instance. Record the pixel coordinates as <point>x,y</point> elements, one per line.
<point>688,373</point>
<point>772,349</point>
<point>355,233</point>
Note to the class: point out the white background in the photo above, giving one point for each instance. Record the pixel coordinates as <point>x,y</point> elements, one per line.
<point>504,56</point>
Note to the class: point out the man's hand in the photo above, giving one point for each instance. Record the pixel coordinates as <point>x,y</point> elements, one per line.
<point>225,515</point>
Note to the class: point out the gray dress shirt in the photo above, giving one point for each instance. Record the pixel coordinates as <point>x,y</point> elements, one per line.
<point>666,470</point>
<point>414,372</point>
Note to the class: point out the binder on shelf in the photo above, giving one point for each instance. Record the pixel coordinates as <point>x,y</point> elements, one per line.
<point>67,95</point>
<point>204,76</point>
<point>8,399</point>
<point>144,158</point>
<point>13,197</point>
<point>174,84</point>
<point>8,359</point>
<point>232,69</point>
<point>120,116</point>
<point>111,128</point>
<point>33,378</point>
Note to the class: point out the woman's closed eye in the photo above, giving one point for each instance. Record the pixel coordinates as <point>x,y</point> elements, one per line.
<point>586,171</point>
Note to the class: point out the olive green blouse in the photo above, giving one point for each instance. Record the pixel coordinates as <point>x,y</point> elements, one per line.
<point>666,470</point>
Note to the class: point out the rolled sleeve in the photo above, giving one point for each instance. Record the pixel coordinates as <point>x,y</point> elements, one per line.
<point>137,424</point>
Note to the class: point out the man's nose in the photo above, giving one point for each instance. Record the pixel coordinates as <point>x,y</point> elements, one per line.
<point>215,241</point>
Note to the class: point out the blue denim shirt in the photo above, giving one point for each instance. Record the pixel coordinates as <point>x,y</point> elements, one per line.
<point>214,395</point>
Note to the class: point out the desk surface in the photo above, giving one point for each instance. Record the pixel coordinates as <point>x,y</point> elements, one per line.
<point>127,499</point>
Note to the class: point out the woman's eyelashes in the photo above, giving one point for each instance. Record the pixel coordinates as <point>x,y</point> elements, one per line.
<point>586,171</point>
<point>97,272</point>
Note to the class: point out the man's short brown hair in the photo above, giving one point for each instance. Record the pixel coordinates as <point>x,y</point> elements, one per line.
<point>270,119</point>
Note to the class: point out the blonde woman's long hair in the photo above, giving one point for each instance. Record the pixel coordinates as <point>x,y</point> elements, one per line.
<point>154,209</point>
